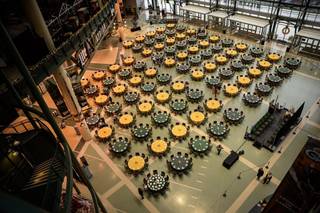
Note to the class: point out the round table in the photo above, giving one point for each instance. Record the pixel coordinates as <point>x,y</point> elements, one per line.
<point>183,68</point>
<point>125,73</point>
<point>274,57</point>
<point>137,48</point>
<point>237,65</point>
<point>252,99</point>
<point>136,163</point>
<point>256,51</point>
<point>139,66</point>
<point>244,81</point>
<point>140,38</point>
<point>292,63</point>
<point>108,82</point>
<point>179,131</point>
<point>197,74</point>
<point>178,86</point>
<point>163,96</point>
<point>135,80</point>
<point>105,132</point>
<point>170,41</point>
<point>231,53</point>
<point>227,42</point>
<point>151,72</point>
<point>191,31</point>
<point>170,50</point>
<point>232,90</point>
<point>221,59</point>
<point>84,82</point>
<point>148,87</point>
<point>92,120</point>
<point>127,43</point>
<point>203,43</point>
<point>263,89</point>
<point>213,105</point>
<point>156,183</point>
<point>171,25</point>
<point>157,56</point>
<point>159,146</point>
<point>241,47</point>
<point>210,66</point>
<point>180,163</point>
<point>218,129</point>
<point>146,52</point>
<point>160,30</point>
<point>145,107</point>
<point>194,95</point>
<point>199,144</point>
<point>178,105</point>
<point>283,71</point>
<point>91,90</point>
<point>181,28</point>
<point>141,132</point>
<point>126,120</point>
<point>128,61</point>
<point>101,100</point>
<point>247,59</point>
<point>181,45</point>
<point>182,55</point>
<point>233,115</point>
<point>206,54</point>
<point>151,33</point>
<point>193,49</point>
<point>264,64</point>
<point>113,108</point>
<point>131,97</point>
<point>213,81</point>
<point>149,42</point>
<point>214,38</point>
<point>274,79</point>
<point>202,35</point>
<point>98,75</point>
<point>195,60</point>
<point>160,37</point>
<point>119,145</point>
<point>119,89</point>
<point>161,118</point>
<point>114,68</point>
<point>163,78</point>
<point>254,72</point>
<point>169,62</point>
<point>226,73</point>
<point>159,46</point>
<point>180,36</point>
<point>197,117</point>
<point>192,40</point>
<point>216,48</point>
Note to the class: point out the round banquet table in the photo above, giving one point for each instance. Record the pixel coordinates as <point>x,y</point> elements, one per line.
<point>178,106</point>
<point>126,120</point>
<point>274,79</point>
<point>113,108</point>
<point>171,26</point>
<point>220,59</point>
<point>202,35</point>
<point>91,90</point>
<point>84,82</point>
<point>191,31</point>
<point>182,55</point>
<point>101,100</point>
<point>179,131</point>
<point>213,81</point>
<point>237,65</point>
<point>108,82</point>
<point>183,68</point>
<point>125,73</point>
<point>157,56</point>
<point>213,105</point>
<point>159,146</point>
<point>193,49</point>
<point>156,183</point>
<point>226,73</point>
<point>263,89</point>
<point>105,132</point>
<point>128,43</point>
<point>128,61</point>
<point>180,36</point>
<point>139,66</point>
<point>256,51</point>
<point>163,78</point>
<point>232,90</point>
<point>199,144</point>
<point>214,38</point>
<point>192,40</point>
<point>92,120</point>
<point>119,145</point>
<point>178,86</point>
<point>227,42</point>
<point>162,96</point>
<point>247,58</point>
<point>136,163</point>
<point>170,50</point>
<point>159,46</point>
<point>146,52</point>
<point>170,41</point>
<point>160,37</point>
<point>148,87</point>
<point>244,81</point>
<point>218,129</point>
<point>140,38</point>
<point>292,63</point>
<point>274,57</point>
<point>216,48</point>
<point>181,28</point>
<point>197,117</point>
<point>151,34</point>
<point>119,89</point>
<point>241,47</point>
<point>206,54</point>
<point>254,72</point>
<point>231,53</point>
<point>160,30</point>
<point>203,44</point>
<point>161,118</point>
<point>180,163</point>
<point>195,60</point>
<point>194,95</point>
<point>135,80</point>
<point>141,132</point>
<point>283,71</point>
<point>137,48</point>
<point>169,62</point>
<point>98,75</point>
<point>210,66</point>
<point>145,107</point>
<point>181,45</point>
<point>149,42</point>
<point>252,99</point>
<point>233,115</point>
<point>114,68</point>
<point>265,65</point>
<point>197,74</point>
<point>131,97</point>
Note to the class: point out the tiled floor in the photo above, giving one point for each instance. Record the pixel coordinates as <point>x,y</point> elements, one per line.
<point>202,189</point>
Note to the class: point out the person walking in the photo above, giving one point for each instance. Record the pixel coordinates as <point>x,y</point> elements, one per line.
<point>219,148</point>
<point>267,178</point>
<point>260,173</point>
<point>140,191</point>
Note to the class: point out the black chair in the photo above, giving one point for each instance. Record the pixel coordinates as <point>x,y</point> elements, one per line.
<point>163,174</point>
<point>155,172</point>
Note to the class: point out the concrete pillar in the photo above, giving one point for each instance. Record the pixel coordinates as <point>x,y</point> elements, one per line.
<point>118,12</point>
<point>34,15</point>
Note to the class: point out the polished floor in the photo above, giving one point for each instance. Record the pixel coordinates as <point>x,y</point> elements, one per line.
<point>202,190</point>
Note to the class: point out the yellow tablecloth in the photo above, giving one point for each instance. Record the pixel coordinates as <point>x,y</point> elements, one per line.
<point>99,75</point>
<point>210,67</point>
<point>243,80</point>
<point>126,119</point>
<point>169,62</point>
<point>180,36</point>
<point>140,38</point>
<point>147,52</point>
<point>159,146</point>
<point>135,80</point>
<point>150,72</point>
<point>213,104</point>
<point>101,99</point>
<point>231,52</point>
<point>179,131</point>
<point>170,41</point>
<point>204,43</point>
<point>171,25</point>
<point>150,33</point>
<point>119,89</point>
<point>160,30</point>
<point>159,46</point>
<point>136,163</point>
<point>197,117</point>
<point>232,90</point>
<point>241,47</point>
<point>114,68</point>
<point>264,64</point>
<point>128,61</point>
<point>162,97</point>
<point>127,44</point>
<point>221,59</point>
<point>193,49</point>
<point>191,31</point>
<point>105,132</point>
<point>145,107</point>
<point>214,38</point>
<point>197,74</point>
<point>182,55</point>
<point>274,57</point>
<point>178,86</point>
<point>255,72</point>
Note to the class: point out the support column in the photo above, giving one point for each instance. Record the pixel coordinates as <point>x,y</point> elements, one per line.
<point>34,15</point>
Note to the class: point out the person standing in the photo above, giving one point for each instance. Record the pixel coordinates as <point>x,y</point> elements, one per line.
<point>219,148</point>
<point>140,191</point>
<point>260,173</point>
<point>267,178</point>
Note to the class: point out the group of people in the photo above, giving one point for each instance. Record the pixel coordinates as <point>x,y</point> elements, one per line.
<point>267,178</point>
